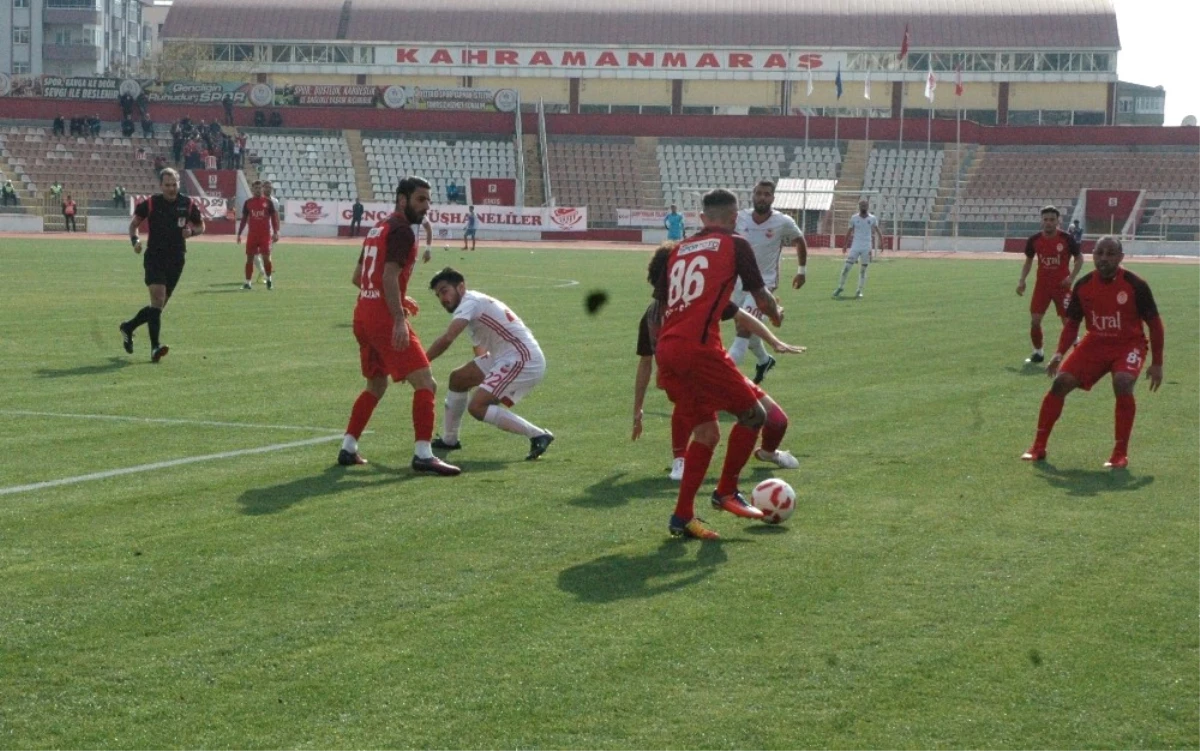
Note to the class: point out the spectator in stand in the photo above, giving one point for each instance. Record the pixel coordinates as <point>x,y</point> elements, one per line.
<point>77,126</point>
<point>8,194</point>
<point>227,103</point>
<point>68,210</point>
<point>356,215</point>
<point>118,197</point>
<point>94,124</point>
<point>1076,232</point>
<point>126,103</point>
<point>451,191</point>
<point>214,129</point>
<point>276,119</point>
<point>56,190</point>
<point>160,163</point>
<point>127,127</point>
<point>143,103</point>
<point>147,127</point>
<point>177,142</point>
<point>60,126</point>
<point>235,151</point>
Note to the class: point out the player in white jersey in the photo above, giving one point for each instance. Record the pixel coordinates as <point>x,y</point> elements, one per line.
<point>767,231</point>
<point>508,364</point>
<point>864,227</point>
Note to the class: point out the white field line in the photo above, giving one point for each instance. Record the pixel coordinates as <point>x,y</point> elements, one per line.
<point>167,421</point>
<point>164,465</point>
<point>562,282</point>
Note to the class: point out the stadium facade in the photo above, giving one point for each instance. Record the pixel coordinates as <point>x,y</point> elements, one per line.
<point>1021,62</point>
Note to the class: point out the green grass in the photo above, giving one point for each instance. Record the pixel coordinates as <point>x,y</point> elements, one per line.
<point>932,591</point>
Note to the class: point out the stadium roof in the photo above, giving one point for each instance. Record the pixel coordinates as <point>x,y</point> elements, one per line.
<point>853,24</point>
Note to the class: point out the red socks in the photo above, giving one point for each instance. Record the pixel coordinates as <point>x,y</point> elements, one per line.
<point>1125,411</point>
<point>364,405</point>
<point>1052,407</point>
<point>737,453</point>
<point>695,466</point>
<point>423,414</point>
<point>1035,333</point>
<point>775,427</point>
<point>249,270</point>
<point>267,266</point>
<point>681,431</point>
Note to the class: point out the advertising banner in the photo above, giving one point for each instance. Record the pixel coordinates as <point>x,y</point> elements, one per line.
<point>445,218</point>
<point>1111,206</point>
<point>493,191</point>
<point>327,95</point>
<point>62,87</point>
<point>196,92</point>
<point>653,218</point>
<point>210,208</point>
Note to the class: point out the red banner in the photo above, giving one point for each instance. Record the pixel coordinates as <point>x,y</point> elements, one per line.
<point>1110,207</point>
<point>493,191</point>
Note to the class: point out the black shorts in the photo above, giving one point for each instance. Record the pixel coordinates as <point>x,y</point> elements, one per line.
<point>163,267</point>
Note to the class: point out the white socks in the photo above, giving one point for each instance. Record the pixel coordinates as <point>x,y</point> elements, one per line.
<point>423,450</point>
<point>862,277</point>
<point>737,350</point>
<point>350,443</point>
<point>506,420</point>
<point>845,273</point>
<point>759,350</point>
<point>258,264</point>
<point>456,406</point>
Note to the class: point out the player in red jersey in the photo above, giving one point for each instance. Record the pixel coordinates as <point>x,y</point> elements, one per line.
<point>776,419</point>
<point>259,212</point>
<point>1051,248</point>
<point>387,344</point>
<point>1116,305</point>
<point>694,369</point>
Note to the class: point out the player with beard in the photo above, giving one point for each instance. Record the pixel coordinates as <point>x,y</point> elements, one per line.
<point>767,231</point>
<point>387,344</point>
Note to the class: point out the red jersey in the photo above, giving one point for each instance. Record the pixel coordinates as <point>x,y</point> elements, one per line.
<point>701,273</point>
<point>390,241</point>
<point>259,214</point>
<point>1053,255</point>
<point>1115,310</point>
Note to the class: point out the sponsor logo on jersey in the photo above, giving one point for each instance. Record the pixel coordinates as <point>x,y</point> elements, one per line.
<point>709,245</point>
<point>1105,323</point>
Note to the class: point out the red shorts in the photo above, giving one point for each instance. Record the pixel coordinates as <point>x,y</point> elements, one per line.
<point>701,381</point>
<point>1045,293</point>
<point>377,355</point>
<point>257,245</point>
<point>1094,357</point>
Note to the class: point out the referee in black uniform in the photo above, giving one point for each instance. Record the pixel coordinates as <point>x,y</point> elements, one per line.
<point>173,218</point>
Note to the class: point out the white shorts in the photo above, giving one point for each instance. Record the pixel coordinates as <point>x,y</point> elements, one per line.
<point>746,302</point>
<point>509,378</point>
<point>859,256</point>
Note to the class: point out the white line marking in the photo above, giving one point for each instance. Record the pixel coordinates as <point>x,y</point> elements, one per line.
<point>163,465</point>
<point>565,282</point>
<point>167,421</point>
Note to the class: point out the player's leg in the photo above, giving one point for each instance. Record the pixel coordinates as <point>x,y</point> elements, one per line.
<point>705,435</point>
<point>153,278</point>
<point>741,442</point>
<point>269,268</point>
<point>864,262</point>
<point>1081,369</point>
<point>423,413</point>
<point>462,380</point>
<point>505,385</point>
<point>681,432</point>
<point>741,339</point>
<point>1126,367</point>
<point>258,264</point>
<point>472,241</point>
<point>159,295</point>
<point>773,430</point>
<point>251,258</point>
<point>1039,303</point>
<point>364,407</point>
<point>846,266</point>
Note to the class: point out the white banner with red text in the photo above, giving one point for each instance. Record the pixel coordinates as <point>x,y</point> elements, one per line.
<point>448,221</point>
<point>213,207</point>
<point>653,218</point>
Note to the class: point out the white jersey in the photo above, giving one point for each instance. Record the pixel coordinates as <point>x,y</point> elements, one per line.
<point>497,329</point>
<point>863,232</point>
<point>768,240</point>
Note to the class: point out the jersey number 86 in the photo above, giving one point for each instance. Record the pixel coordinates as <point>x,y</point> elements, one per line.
<point>686,280</point>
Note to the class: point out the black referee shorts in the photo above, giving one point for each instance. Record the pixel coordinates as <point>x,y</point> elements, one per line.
<point>163,267</point>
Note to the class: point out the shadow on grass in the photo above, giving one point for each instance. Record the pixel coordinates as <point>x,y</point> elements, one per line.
<point>1091,482</point>
<point>1029,369</point>
<point>667,569</point>
<point>615,491</point>
<point>337,479</point>
<point>113,364</point>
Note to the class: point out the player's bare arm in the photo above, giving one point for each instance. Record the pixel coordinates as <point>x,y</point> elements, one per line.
<point>1076,267</point>
<point>428,225</point>
<point>443,342</point>
<point>274,224</point>
<point>411,307</point>
<point>757,328</point>
<point>878,238</point>
<point>849,239</point>
<point>134,224</point>
<point>357,280</point>
<point>1024,273</point>
<point>641,381</point>
<point>391,296</point>
<point>241,226</point>
<point>768,306</point>
<point>802,261</point>
<point>195,228</point>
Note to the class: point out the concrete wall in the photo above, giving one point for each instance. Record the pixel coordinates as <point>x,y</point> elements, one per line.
<point>21,223</point>
<point>108,225</point>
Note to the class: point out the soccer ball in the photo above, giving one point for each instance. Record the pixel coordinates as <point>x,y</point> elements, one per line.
<point>775,498</point>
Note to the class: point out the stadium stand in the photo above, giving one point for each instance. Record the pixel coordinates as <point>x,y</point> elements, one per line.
<point>304,166</point>
<point>685,169</point>
<point>906,181</point>
<point>438,160</point>
<point>601,174</point>
<point>87,166</point>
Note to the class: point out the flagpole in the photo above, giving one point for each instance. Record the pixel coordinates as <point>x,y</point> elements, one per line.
<point>900,59</point>
<point>867,96</point>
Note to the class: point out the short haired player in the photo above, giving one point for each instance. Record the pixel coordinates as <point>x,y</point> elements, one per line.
<point>1051,248</point>
<point>768,232</point>
<point>259,213</point>
<point>508,364</point>
<point>648,327</point>
<point>864,227</point>
<point>387,344</point>
<point>1117,307</point>
<point>695,370</point>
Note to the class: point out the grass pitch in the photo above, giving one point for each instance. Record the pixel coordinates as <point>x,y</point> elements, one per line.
<point>932,591</point>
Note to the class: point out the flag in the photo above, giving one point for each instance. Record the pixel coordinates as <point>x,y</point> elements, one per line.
<point>904,45</point>
<point>810,81</point>
<point>958,86</point>
<point>838,81</point>
<point>930,81</point>
<point>867,85</point>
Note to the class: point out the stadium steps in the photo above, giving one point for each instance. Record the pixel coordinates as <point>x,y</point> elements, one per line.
<point>952,179</point>
<point>535,189</point>
<point>648,172</point>
<point>854,172</point>
<point>358,158</point>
